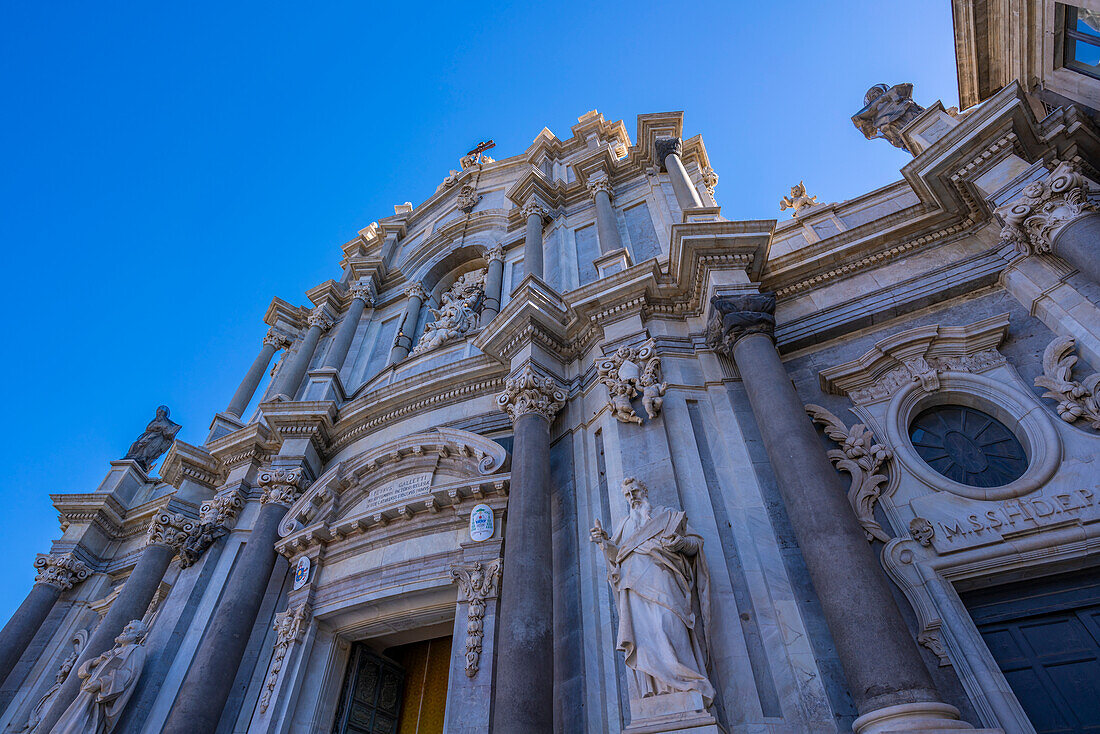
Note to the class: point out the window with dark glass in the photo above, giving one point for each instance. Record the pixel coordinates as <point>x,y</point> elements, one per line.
<point>968,446</point>
<point>1081,40</point>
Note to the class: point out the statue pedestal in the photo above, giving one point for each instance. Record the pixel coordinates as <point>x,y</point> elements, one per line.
<point>671,713</point>
<point>222,425</point>
<point>324,384</point>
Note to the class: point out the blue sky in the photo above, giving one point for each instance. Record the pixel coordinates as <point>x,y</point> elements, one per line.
<point>169,168</point>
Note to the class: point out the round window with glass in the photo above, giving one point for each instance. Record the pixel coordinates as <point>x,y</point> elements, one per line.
<point>968,446</point>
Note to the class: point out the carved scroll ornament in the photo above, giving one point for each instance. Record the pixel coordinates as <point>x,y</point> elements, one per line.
<point>1076,400</point>
<point>289,626</point>
<point>1032,220</point>
<point>282,485</point>
<point>862,458</point>
<point>478,583</point>
<point>530,392</point>
<point>62,571</point>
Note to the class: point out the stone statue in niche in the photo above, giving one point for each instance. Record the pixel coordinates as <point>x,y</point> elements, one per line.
<point>798,201</point>
<point>625,377</point>
<point>107,683</point>
<point>886,111</point>
<point>158,436</point>
<point>458,314</point>
<point>657,570</point>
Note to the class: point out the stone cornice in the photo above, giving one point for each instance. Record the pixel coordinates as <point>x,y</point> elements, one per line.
<point>296,420</point>
<point>534,306</point>
<point>95,508</point>
<point>251,444</point>
<point>184,461</point>
<point>281,314</point>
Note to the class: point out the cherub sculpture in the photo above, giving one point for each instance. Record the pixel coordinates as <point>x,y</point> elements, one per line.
<point>653,390</point>
<point>798,200</point>
<point>624,378</point>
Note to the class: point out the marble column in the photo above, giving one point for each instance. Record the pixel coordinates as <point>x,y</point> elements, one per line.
<point>1054,215</point>
<point>494,281</point>
<point>606,227</point>
<point>877,652</point>
<point>403,343</point>
<point>167,533</point>
<point>273,341</point>
<point>209,680</point>
<point>361,294</point>
<point>524,692</point>
<point>290,375</point>
<point>56,573</point>
<point>666,154</point>
<point>533,253</point>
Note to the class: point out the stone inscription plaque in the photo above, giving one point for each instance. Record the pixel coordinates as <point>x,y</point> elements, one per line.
<point>399,490</point>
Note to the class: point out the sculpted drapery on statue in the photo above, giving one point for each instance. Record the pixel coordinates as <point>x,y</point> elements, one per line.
<point>158,437</point>
<point>459,312</point>
<point>107,683</point>
<point>657,569</point>
<point>886,110</point>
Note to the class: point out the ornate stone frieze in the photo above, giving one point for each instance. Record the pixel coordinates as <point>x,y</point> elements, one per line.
<point>926,371</point>
<point>170,529</point>
<point>277,338</point>
<point>468,198</point>
<point>886,111</point>
<point>733,317</point>
<point>530,392</point>
<point>458,314</point>
<point>319,317</point>
<point>799,201</point>
<point>628,372</point>
<point>477,582</point>
<point>363,290</point>
<point>281,485</point>
<point>1076,400</point>
<point>534,207</point>
<point>1044,207</point>
<point>495,253</point>
<point>289,627</point>
<point>598,184</point>
<point>60,570</point>
<point>415,290</point>
<point>710,180</point>
<point>664,147</point>
<point>863,459</point>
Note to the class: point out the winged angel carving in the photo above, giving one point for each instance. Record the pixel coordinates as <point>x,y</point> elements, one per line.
<point>862,458</point>
<point>630,371</point>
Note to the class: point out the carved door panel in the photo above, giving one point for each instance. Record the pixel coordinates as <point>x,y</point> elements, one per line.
<point>371,699</point>
<point>1045,636</point>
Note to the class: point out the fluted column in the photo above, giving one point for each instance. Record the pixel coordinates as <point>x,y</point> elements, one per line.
<point>524,692</point>
<point>533,253</point>
<point>290,376</point>
<point>56,573</point>
<point>274,340</point>
<point>666,154</point>
<point>403,342</point>
<point>879,657</point>
<point>362,293</point>
<point>209,680</point>
<point>607,229</point>
<point>494,281</point>
<point>1054,215</point>
<point>167,533</point>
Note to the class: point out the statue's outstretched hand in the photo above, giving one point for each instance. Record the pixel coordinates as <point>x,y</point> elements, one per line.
<point>597,534</point>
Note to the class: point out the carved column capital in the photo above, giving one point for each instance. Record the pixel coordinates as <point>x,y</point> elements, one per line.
<point>733,317</point>
<point>222,508</point>
<point>1043,207</point>
<point>477,582</point>
<point>282,486</point>
<point>60,570</point>
<point>363,290</point>
<point>319,317</point>
<point>276,338</point>
<point>416,290</point>
<point>664,147</point>
<point>496,253</point>
<point>530,392</point>
<point>535,208</point>
<point>596,185</point>
<point>169,529</point>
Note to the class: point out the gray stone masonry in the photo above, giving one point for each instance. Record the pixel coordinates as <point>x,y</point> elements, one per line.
<point>20,629</point>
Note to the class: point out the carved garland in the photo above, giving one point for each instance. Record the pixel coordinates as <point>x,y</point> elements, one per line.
<point>862,458</point>
<point>1076,400</point>
<point>215,517</point>
<point>477,582</point>
<point>289,627</point>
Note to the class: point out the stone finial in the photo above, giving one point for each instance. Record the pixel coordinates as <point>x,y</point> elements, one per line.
<point>477,582</point>
<point>733,317</point>
<point>663,148</point>
<point>282,486</point>
<point>60,570</point>
<point>534,208</point>
<point>276,338</point>
<point>530,392</point>
<point>319,317</point>
<point>799,201</point>
<point>886,111</point>
<point>1044,207</point>
<point>169,529</point>
<point>416,290</point>
<point>598,184</point>
<point>495,253</point>
<point>363,289</point>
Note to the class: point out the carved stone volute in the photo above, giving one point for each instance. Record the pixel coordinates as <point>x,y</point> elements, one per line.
<point>60,570</point>
<point>733,317</point>
<point>282,485</point>
<point>1044,207</point>
<point>530,392</point>
<point>169,529</point>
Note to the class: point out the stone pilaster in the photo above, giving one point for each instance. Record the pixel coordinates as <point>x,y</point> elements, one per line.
<point>666,156</point>
<point>470,688</point>
<point>524,693</point>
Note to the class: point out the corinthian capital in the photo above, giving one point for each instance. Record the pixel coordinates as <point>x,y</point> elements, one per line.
<point>1044,207</point>
<point>664,147</point>
<point>319,317</point>
<point>496,252</point>
<point>534,208</point>
<point>277,339</point>
<point>170,529</point>
<point>363,290</point>
<point>530,392</point>
<point>60,570</point>
<point>733,317</point>
<point>415,290</point>
<point>282,486</point>
<point>598,184</point>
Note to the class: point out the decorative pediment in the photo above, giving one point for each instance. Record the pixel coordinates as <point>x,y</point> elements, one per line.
<point>918,354</point>
<point>423,472</point>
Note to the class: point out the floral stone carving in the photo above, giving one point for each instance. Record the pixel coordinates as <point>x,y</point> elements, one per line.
<point>530,392</point>
<point>862,458</point>
<point>478,582</point>
<point>458,314</point>
<point>1076,400</point>
<point>62,571</point>
<point>170,529</point>
<point>215,515</point>
<point>289,626</point>
<point>282,485</point>
<point>630,371</point>
<point>1032,220</point>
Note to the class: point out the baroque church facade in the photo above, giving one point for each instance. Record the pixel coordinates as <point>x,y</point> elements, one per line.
<point>564,449</point>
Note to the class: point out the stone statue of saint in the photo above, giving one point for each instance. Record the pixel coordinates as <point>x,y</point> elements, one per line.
<point>107,683</point>
<point>886,110</point>
<point>158,436</point>
<point>657,570</point>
